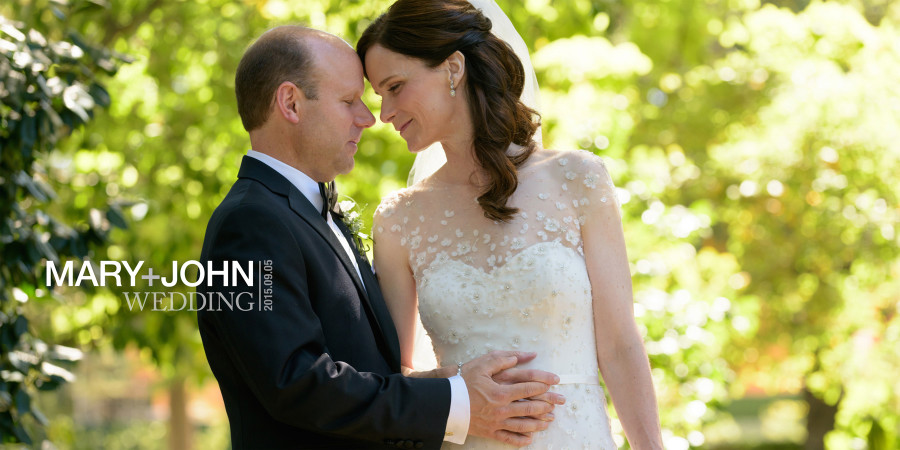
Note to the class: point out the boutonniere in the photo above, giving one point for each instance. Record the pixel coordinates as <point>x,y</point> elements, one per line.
<point>351,218</point>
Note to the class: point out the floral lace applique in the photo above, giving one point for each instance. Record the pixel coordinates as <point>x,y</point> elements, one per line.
<point>426,218</point>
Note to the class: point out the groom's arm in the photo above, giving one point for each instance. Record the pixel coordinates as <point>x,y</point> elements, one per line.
<point>282,355</point>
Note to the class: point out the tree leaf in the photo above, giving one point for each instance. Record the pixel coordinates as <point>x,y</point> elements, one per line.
<point>21,326</point>
<point>76,100</point>
<point>52,370</point>
<point>5,400</point>
<point>48,385</point>
<point>26,181</point>
<point>46,249</point>
<point>100,94</point>
<point>7,341</point>
<point>63,353</point>
<point>22,435</point>
<point>115,217</point>
<point>28,132</point>
<point>23,401</point>
<point>6,422</point>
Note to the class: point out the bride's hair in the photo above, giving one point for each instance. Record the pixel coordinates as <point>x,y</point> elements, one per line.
<point>431,30</point>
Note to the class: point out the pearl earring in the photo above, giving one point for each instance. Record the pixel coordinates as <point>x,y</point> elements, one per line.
<point>452,89</point>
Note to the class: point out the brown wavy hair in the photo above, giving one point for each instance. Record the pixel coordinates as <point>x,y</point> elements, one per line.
<point>431,30</point>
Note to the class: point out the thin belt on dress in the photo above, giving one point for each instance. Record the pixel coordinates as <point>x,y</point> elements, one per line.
<point>579,379</point>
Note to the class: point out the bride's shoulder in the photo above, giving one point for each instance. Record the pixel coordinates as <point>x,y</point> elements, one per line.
<point>398,201</point>
<point>390,203</point>
<point>568,164</point>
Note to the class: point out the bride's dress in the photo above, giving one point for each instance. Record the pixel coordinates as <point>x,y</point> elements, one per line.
<point>484,285</point>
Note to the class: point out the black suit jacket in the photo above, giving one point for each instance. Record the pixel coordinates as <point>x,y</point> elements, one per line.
<point>320,369</point>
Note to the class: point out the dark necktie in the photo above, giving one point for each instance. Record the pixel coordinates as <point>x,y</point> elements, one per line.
<point>329,198</point>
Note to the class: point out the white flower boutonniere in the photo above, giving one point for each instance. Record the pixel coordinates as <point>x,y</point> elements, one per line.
<point>354,223</point>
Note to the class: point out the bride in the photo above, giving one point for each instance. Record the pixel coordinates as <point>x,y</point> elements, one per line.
<point>507,245</point>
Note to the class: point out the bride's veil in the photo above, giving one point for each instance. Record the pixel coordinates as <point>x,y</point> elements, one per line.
<point>432,158</point>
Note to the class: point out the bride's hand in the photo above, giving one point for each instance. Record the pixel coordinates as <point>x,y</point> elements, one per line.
<point>515,375</point>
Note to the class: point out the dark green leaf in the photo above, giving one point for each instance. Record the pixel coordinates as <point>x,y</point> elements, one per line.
<point>48,385</point>
<point>34,253</point>
<point>23,402</point>
<point>28,132</point>
<point>101,96</point>
<point>115,217</point>
<point>7,341</point>
<point>21,326</point>
<point>6,422</point>
<point>22,435</point>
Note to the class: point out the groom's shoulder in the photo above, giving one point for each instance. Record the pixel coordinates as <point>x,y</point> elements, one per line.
<point>247,198</point>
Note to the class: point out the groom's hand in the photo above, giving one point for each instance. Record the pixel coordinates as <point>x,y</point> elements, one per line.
<point>506,412</point>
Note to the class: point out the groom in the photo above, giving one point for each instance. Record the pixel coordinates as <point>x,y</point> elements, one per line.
<point>312,360</point>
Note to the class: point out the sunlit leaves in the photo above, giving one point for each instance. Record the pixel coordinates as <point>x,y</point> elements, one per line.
<point>764,150</point>
<point>754,149</point>
<point>48,88</point>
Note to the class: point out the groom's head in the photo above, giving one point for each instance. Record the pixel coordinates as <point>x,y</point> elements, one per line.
<point>298,94</point>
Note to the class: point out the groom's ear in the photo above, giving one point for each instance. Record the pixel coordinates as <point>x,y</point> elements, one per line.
<point>456,64</point>
<point>288,100</point>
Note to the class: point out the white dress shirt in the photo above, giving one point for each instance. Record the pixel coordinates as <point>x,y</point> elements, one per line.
<point>458,421</point>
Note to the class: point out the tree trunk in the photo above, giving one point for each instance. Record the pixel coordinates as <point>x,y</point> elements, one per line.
<point>179,423</point>
<point>819,420</point>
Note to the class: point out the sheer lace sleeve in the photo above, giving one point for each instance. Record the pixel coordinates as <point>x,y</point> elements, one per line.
<point>385,224</point>
<point>594,195</point>
<point>392,224</point>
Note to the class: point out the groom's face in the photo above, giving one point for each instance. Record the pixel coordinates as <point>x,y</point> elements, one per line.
<point>333,123</point>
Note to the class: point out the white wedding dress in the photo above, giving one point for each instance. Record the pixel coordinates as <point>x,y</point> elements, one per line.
<point>484,285</point>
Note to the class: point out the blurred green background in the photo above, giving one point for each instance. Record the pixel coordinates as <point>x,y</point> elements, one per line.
<point>755,146</point>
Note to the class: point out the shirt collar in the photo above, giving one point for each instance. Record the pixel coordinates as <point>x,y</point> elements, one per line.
<point>306,185</point>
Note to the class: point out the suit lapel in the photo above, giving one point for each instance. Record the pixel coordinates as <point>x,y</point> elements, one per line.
<point>377,303</point>
<point>379,317</point>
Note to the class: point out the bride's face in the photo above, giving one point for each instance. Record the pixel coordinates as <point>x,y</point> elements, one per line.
<point>415,98</point>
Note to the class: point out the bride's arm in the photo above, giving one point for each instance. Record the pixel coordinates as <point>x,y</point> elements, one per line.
<point>620,349</point>
<point>398,286</point>
<point>391,261</point>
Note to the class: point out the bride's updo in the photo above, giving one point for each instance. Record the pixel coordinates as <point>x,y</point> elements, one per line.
<point>431,30</point>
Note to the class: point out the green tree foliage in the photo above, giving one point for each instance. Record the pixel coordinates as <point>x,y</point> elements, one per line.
<point>753,146</point>
<point>762,138</point>
<point>49,86</point>
<point>811,207</point>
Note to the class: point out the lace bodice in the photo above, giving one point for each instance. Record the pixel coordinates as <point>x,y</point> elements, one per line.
<point>439,222</point>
